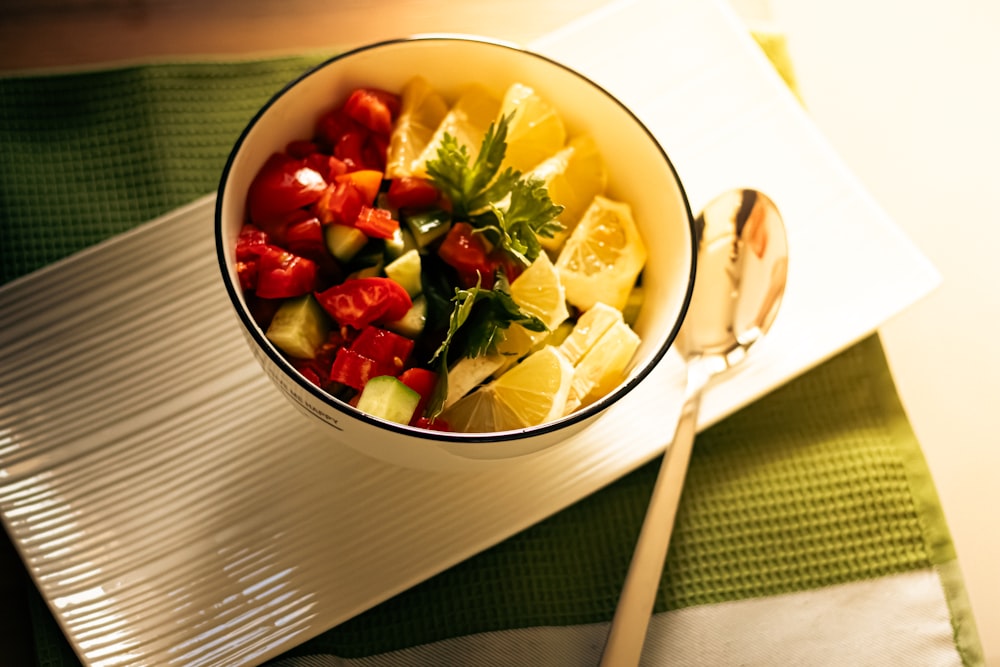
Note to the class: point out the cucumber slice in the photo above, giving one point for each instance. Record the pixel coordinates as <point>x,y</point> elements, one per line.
<point>388,398</point>
<point>344,242</point>
<point>428,226</point>
<point>299,327</point>
<point>405,270</point>
<point>412,324</point>
<point>400,243</point>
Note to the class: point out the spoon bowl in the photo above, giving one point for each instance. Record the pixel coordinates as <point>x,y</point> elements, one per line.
<point>741,272</point>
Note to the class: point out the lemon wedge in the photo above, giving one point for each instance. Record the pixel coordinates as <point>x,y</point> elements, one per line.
<point>539,292</point>
<point>467,121</point>
<point>536,130</point>
<point>573,176</point>
<point>603,257</point>
<point>603,366</point>
<point>531,393</point>
<point>421,111</point>
<point>588,330</point>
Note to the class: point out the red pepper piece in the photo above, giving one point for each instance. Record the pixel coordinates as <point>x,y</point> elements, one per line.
<point>367,181</point>
<point>376,222</point>
<point>354,370</point>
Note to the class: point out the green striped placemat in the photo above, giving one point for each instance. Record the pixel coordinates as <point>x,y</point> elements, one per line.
<point>820,483</point>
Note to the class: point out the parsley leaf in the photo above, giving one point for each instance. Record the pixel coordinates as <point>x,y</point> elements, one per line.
<point>476,327</point>
<point>467,186</point>
<point>511,209</point>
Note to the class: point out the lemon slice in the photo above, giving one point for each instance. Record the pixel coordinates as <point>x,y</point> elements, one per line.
<point>538,292</point>
<point>602,257</point>
<point>536,130</point>
<point>421,111</point>
<point>467,121</point>
<point>601,369</point>
<point>588,330</point>
<point>573,176</point>
<point>531,393</point>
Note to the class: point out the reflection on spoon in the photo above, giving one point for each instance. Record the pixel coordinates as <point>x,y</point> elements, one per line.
<point>741,272</point>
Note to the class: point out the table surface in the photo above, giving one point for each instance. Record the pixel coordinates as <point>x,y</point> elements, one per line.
<point>910,113</point>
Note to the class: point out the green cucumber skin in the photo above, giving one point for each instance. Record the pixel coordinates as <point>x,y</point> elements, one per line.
<point>299,327</point>
<point>344,242</point>
<point>406,270</point>
<point>412,324</point>
<point>386,397</point>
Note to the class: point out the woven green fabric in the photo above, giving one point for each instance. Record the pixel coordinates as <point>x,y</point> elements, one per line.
<point>86,156</point>
<point>820,483</point>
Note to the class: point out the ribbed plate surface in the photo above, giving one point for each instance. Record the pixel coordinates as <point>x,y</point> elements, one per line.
<point>173,508</point>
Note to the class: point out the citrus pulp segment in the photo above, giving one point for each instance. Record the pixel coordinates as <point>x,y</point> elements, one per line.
<point>421,111</point>
<point>573,176</point>
<point>531,393</point>
<point>601,369</point>
<point>603,257</point>
<point>467,121</point>
<point>536,130</point>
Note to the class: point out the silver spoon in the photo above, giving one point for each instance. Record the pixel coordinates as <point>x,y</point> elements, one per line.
<point>742,266</point>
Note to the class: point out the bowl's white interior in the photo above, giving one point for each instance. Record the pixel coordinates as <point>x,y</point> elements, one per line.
<point>638,171</point>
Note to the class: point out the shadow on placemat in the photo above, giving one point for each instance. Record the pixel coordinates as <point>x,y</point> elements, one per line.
<point>808,487</point>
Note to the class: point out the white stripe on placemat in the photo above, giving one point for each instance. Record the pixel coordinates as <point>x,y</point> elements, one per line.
<point>896,620</point>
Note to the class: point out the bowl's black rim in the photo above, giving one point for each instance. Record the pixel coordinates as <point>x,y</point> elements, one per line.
<point>439,437</point>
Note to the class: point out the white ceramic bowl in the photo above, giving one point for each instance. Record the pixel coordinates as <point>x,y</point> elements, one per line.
<point>639,170</point>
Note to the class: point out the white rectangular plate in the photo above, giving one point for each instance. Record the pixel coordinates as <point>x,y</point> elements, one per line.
<point>174,509</point>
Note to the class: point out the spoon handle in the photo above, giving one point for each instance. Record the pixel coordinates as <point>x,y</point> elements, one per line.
<point>635,605</point>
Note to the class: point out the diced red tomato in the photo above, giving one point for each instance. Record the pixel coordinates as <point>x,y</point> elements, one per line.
<point>302,149</point>
<point>246,271</point>
<point>512,268</point>
<point>367,181</point>
<point>277,226</point>
<point>281,274</point>
<point>423,382</point>
<point>340,204</point>
<point>376,150</point>
<point>350,149</point>
<point>384,346</point>
<point>329,166</point>
<point>305,238</point>
<point>251,243</point>
<point>354,369</point>
<point>359,302</point>
<point>333,125</point>
<point>467,253</point>
<point>376,222</point>
<point>412,192</point>
<point>282,185</point>
<point>375,109</point>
